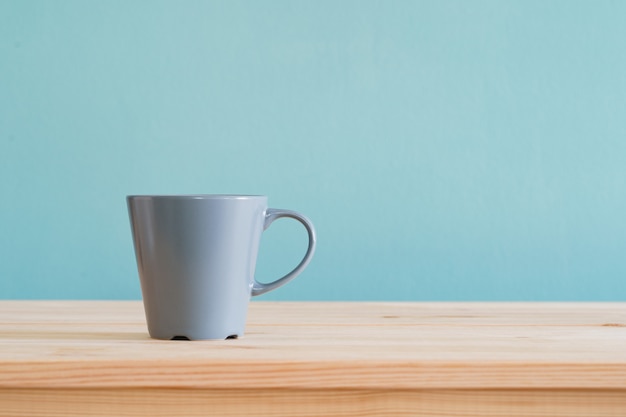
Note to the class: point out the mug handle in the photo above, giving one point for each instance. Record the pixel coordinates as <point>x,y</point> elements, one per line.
<point>271,214</point>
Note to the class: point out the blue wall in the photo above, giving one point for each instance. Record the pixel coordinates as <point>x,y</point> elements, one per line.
<point>446,150</point>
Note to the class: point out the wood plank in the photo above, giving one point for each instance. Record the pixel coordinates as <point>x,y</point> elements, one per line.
<point>308,403</point>
<point>386,346</point>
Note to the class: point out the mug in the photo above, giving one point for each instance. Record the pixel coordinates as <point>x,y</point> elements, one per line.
<point>196,257</point>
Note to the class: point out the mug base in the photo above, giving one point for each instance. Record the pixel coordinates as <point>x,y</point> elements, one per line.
<point>183,337</point>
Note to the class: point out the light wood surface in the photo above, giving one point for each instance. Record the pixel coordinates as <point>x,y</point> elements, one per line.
<point>94,358</point>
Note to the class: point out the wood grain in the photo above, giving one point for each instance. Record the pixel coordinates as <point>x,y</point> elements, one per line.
<point>533,359</point>
<point>311,403</point>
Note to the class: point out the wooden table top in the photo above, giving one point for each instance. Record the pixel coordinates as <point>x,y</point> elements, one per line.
<point>355,345</point>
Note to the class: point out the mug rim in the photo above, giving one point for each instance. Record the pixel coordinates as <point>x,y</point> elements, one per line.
<point>195,196</point>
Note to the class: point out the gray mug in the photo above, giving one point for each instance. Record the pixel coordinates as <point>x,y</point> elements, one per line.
<point>196,256</point>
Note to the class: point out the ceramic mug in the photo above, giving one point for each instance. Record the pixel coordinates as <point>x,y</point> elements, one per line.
<point>196,257</point>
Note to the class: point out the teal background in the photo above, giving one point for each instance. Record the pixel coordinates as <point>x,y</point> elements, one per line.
<point>445,150</point>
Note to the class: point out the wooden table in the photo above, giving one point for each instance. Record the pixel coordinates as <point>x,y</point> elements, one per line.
<point>94,358</point>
